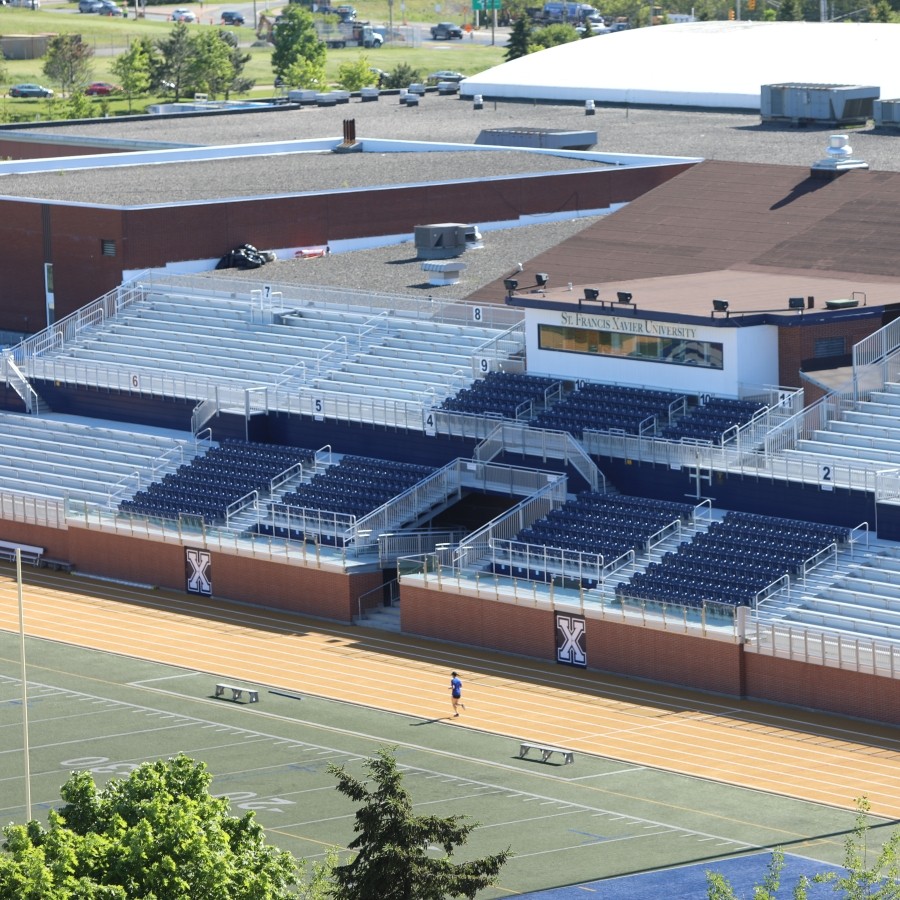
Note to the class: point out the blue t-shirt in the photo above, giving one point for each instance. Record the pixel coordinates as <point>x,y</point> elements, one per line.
<point>456,687</point>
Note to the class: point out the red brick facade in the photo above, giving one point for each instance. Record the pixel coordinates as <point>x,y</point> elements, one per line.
<point>716,666</point>
<point>309,591</point>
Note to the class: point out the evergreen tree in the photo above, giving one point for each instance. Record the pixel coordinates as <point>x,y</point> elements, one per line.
<point>392,844</point>
<point>69,62</point>
<point>519,43</point>
<point>402,76</point>
<point>177,57</point>
<point>790,11</point>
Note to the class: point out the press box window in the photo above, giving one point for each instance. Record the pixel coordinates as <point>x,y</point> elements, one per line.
<point>107,248</point>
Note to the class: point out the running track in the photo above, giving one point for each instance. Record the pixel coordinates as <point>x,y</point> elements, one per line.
<point>777,749</point>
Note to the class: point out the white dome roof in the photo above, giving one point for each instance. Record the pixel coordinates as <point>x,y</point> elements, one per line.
<point>701,64</point>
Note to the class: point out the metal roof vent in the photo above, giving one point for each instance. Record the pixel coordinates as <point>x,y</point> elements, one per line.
<point>839,159</point>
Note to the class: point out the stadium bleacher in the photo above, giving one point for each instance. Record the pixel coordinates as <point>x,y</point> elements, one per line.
<point>210,483</point>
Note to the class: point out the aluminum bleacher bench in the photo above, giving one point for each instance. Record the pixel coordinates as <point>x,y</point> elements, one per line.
<point>546,751</point>
<point>237,692</point>
<point>59,565</point>
<point>28,553</point>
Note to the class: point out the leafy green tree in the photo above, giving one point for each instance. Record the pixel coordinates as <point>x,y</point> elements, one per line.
<point>392,844</point>
<point>866,875</point>
<point>297,48</point>
<point>553,36</point>
<point>881,12</point>
<point>69,62</point>
<point>78,106</point>
<point>718,887</point>
<point>402,76</point>
<point>176,60</point>
<point>519,43</point>
<point>355,75</point>
<point>133,71</point>
<point>155,834</point>
<point>211,68</point>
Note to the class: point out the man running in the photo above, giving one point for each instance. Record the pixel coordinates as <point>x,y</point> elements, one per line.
<point>456,693</point>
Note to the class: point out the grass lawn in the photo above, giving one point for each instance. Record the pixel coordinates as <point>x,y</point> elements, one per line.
<point>111,36</point>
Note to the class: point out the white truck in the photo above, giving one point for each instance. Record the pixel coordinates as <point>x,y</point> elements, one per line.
<point>348,34</point>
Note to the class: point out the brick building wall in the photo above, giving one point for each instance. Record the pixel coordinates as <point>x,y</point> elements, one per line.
<point>309,591</point>
<point>798,343</point>
<point>841,691</point>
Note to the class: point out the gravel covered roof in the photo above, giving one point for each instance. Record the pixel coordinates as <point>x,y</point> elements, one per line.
<point>396,270</point>
<point>200,180</point>
<point>738,137</point>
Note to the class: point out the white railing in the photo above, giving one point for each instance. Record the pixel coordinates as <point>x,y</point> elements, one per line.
<point>67,330</point>
<point>391,546</point>
<point>877,351</point>
<point>407,506</point>
<point>516,437</point>
<point>27,508</point>
<point>432,571</point>
<point>20,384</point>
<point>823,647</point>
<point>203,412</point>
<point>489,315</point>
<point>505,527</point>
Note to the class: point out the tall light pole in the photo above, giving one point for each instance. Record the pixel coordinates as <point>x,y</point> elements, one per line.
<point>24,685</point>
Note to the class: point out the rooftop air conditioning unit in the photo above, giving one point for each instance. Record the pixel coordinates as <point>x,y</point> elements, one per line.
<point>887,113</point>
<point>446,240</point>
<point>828,104</point>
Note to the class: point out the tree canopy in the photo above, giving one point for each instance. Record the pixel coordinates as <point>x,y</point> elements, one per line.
<point>156,834</point>
<point>69,62</point>
<point>392,844</point>
<point>298,57</point>
<point>866,875</point>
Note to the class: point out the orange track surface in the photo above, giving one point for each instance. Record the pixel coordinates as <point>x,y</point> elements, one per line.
<point>814,757</point>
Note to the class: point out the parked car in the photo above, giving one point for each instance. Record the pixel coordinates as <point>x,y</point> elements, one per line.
<point>101,89</point>
<point>183,15</point>
<point>89,6</point>
<point>446,31</point>
<point>230,17</point>
<point>446,75</point>
<point>29,90</point>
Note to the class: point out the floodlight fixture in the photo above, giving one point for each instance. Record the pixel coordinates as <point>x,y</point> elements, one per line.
<point>720,305</point>
<point>591,294</point>
<point>624,296</point>
<point>541,279</point>
<point>510,284</point>
<point>796,302</point>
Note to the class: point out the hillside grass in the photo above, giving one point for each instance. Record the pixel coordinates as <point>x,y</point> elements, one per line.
<point>111,36</point>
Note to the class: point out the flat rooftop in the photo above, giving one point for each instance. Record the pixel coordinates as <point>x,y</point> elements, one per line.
<point>737,137</point>
<point>133,184</point>
<point>690,296</point>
